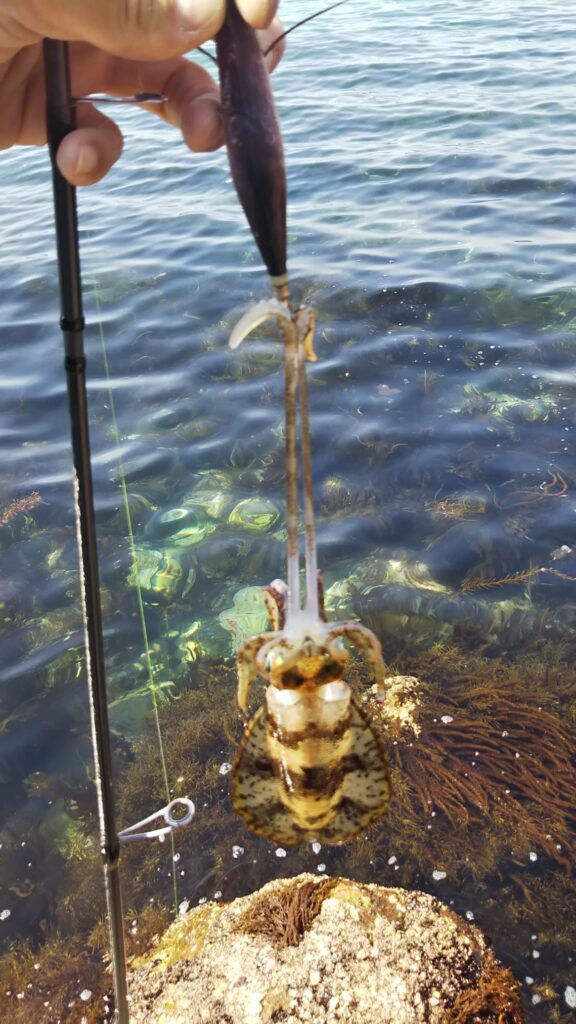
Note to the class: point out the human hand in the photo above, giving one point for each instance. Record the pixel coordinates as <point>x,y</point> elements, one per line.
<point>118,47</point>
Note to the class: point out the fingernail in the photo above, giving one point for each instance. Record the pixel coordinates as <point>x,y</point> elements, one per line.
<point>195,14</point>
<point>87,160</point>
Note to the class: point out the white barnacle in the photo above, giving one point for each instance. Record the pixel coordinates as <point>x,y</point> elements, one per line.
<point>570,996</point>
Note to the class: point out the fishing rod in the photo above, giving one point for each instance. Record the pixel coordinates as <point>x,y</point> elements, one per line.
<point>60,120</point>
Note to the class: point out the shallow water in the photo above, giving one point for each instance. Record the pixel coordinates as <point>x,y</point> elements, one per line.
<point>430,158</point>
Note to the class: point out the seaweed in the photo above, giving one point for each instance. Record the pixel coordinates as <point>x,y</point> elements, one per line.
<point>446,811</point>
<point>472,583</point>
<point>493,750</point>
<point>286,915</point>
<point>494,998</point>
<point>19,506</point>
<point>59,981</point>
<point>66,979</point>
<point>197,730</point>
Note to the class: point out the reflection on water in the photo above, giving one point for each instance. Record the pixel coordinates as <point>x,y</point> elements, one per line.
<point>434,233</point>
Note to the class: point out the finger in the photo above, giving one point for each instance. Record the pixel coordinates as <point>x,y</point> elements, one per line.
<point>88,153</point>
<point>136,29</point>
<point>257,13</point>
<point>192,95</point>
<point>139,29</point>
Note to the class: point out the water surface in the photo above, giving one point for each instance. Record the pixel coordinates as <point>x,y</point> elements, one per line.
<point>430,156</point>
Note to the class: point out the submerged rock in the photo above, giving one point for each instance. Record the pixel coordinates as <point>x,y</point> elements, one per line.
<point>323,950</point>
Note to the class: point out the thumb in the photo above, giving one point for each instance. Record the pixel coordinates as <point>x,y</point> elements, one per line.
<point>136,29</point>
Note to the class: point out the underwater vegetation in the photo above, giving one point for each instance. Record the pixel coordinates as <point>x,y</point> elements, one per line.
<point>429,545</point>
<point>66,980</point>
<point>19,506</point>
<point>58,982</point>
<point>489,743</point>
<point>495,993</point>
<point>516,577</point>
<point>481,760</point>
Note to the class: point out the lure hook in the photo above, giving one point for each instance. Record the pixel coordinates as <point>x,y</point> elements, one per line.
<point>102,97</point>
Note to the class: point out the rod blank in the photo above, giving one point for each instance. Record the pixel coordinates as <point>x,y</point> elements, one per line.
<point>60,119</point>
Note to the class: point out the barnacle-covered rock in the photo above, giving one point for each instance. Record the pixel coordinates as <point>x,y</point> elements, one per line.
<point>398,704</point>
<point>307,949</point>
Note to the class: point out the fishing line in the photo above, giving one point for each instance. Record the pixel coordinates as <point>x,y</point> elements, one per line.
<point>269,48</point>
<point>299,23</point>
<point>135,566</point>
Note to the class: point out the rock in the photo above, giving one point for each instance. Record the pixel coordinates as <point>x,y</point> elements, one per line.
<point>325,950</point>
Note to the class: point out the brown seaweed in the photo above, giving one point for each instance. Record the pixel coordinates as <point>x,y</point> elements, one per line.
<point>285,916</point>
<point>472,583</point>
<point>495,997</point>
<point>60,981</point>
<point>494,749</point>
<point>19,506</point>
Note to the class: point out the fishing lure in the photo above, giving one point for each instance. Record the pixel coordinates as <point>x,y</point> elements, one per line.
<point>254,140</point>
<point>310,764</point>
